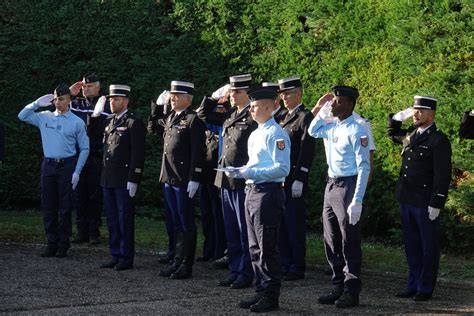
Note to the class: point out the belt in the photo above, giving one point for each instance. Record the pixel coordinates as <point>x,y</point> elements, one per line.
<point>58,160</point>
<point>266,185</point>
<point>335,179</point>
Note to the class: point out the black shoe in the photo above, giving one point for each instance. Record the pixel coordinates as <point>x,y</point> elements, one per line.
<point>49,252</point>
<point>332,297</point>
<point>222,263</point>
<point>169,270</point>
<point>203,259</point>
<point>246,303</point>
<point>61,253</point>
<point>183,272</point>
<point>108,265</point>
<point>80,239</point>
<point>347,300</point>
<point>422,297</point>
<point>94,241</point>
<point>240,284</point>
<point>228,281</point>
<point>264,305</point>
<point>292,276</point>
<point>122,266</point>
<point>406,294</point>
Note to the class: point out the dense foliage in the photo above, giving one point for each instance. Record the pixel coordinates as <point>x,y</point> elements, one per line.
<point>389,49</point>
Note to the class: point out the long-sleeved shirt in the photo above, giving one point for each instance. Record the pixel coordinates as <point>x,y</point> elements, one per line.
<point>61,134</point>
<point>347,150</point>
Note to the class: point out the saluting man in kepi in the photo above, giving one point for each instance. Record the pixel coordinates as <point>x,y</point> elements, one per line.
<point>61,133</point>
<point>123,160</point>
<point>422,190</point>
<point>347,156</point>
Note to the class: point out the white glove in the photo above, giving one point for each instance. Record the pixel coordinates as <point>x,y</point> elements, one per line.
<point>236,173</point>
<point>193,186</point>
<point>163,98</point>
<point>403,115</point>
<point>433,212</point>
<point>132,188</point>
<point>221,92</point>
<point>45,100</point>
<point>74,180</point>
<point>297,189</point>
<point>354,211</point>
<point>326,110</point>
<point>99,106</point>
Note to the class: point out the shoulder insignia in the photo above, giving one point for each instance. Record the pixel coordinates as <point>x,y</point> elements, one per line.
<point>280,144</point>
<point>364,141</point>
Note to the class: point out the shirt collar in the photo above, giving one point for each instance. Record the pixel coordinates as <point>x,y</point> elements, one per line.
<point>422,130</point>
<point>121,114</point>
<point>294,109</point>
<point>267,123</point>
<point>346,121</point>
<point>65,114</point>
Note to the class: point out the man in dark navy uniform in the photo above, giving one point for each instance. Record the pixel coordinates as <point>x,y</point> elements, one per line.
<point>422,190</point>
<point>181,172</point>
<point>466,129</point>
<point>88,195</point>
<point>237,125</point>
<point>292,242</point>
<point>123,160</point>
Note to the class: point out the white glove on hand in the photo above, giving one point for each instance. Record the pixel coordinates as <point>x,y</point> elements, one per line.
<point>163,98</point>
<point>238,173</point>
<point>433,212</point>
<point>297,189</point>
<point>193,186</point>
<point>403,115</point>
<point>132,188</point>
<point>326,110</point>
<point>99,106</point>
<point>221,92</point>
<point>354,211</point>
<point>74,180</point>
<point>45,100</point>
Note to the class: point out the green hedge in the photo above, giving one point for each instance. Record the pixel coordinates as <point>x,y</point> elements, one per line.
<point>389,49</point>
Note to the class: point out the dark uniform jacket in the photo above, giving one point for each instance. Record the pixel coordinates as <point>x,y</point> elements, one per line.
<point>2,141</point>
<point>236,129</point>
<point>426,167</point>
<point>302,144</point>
<point>84,108</point>
<point>183,148</point>
<point>124,151</point>
<point>466,130</point>
<point>280,114</point>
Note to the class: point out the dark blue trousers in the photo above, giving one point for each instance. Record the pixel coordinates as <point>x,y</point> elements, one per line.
<point>421,248</point>
<point>57,200</point>
<point>181,207</point>
<point>292,238</point>
<point>233,202</point>
<point>342,240</point>
<point>212,220</point>
<point>169,228</point>
<point>88,199</point>
<point>264,205</point>
<point>119,210</point>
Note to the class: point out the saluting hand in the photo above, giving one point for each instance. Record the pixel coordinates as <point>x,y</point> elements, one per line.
<point>322,102</point>
<point>163,98</point>
<point>45,100</point>
<point>222,93</point>
<point>403,115</point>
<point>76,88</point>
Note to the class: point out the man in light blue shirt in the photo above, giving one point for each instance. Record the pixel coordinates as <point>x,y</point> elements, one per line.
<point>61,133</point>
<point>265,172</point>
<point>347,154</point>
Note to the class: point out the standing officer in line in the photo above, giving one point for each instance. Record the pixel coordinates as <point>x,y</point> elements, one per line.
<point>466,129</point>
<point>279,112</point>
<point>292,242</point>
<point>181,173</point>
<point>215,242</point>
<point>237,125</point>
<point>347,155</point>
<point>123,160</point>
<point>62,133</point>
<point>265,172</point>
<point>422,190</point>
<point>88,195</point>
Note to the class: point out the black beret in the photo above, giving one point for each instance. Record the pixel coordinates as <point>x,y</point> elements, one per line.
<point>90,78</point>
<point>261,93</point>
<point>345,91</point>
<point>61,89</point>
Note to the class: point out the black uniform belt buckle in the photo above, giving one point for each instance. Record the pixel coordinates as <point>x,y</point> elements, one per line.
<point>58,161</point>
<point>336,179</point>
<point>269,185</point>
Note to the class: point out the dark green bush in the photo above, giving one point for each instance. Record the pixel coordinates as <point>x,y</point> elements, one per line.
<point>391,50</point>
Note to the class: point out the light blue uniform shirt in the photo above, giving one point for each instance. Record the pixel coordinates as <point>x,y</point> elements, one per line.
<point>347,149</point>
<point>269,154</point>
<point>60,133</point>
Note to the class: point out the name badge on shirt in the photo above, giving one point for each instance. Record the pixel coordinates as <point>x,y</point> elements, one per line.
<point>122,129</point>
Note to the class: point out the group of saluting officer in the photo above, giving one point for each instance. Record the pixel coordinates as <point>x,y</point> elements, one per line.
<point>249,158</point>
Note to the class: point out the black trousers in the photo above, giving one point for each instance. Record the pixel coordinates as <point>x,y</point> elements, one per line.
<point>342,240</point>
<point>264,205</point>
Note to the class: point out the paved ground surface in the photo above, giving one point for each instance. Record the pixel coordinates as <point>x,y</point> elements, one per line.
<point>30,284</point>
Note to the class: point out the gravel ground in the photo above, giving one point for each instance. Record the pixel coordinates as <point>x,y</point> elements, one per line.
<point>30,284</point>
